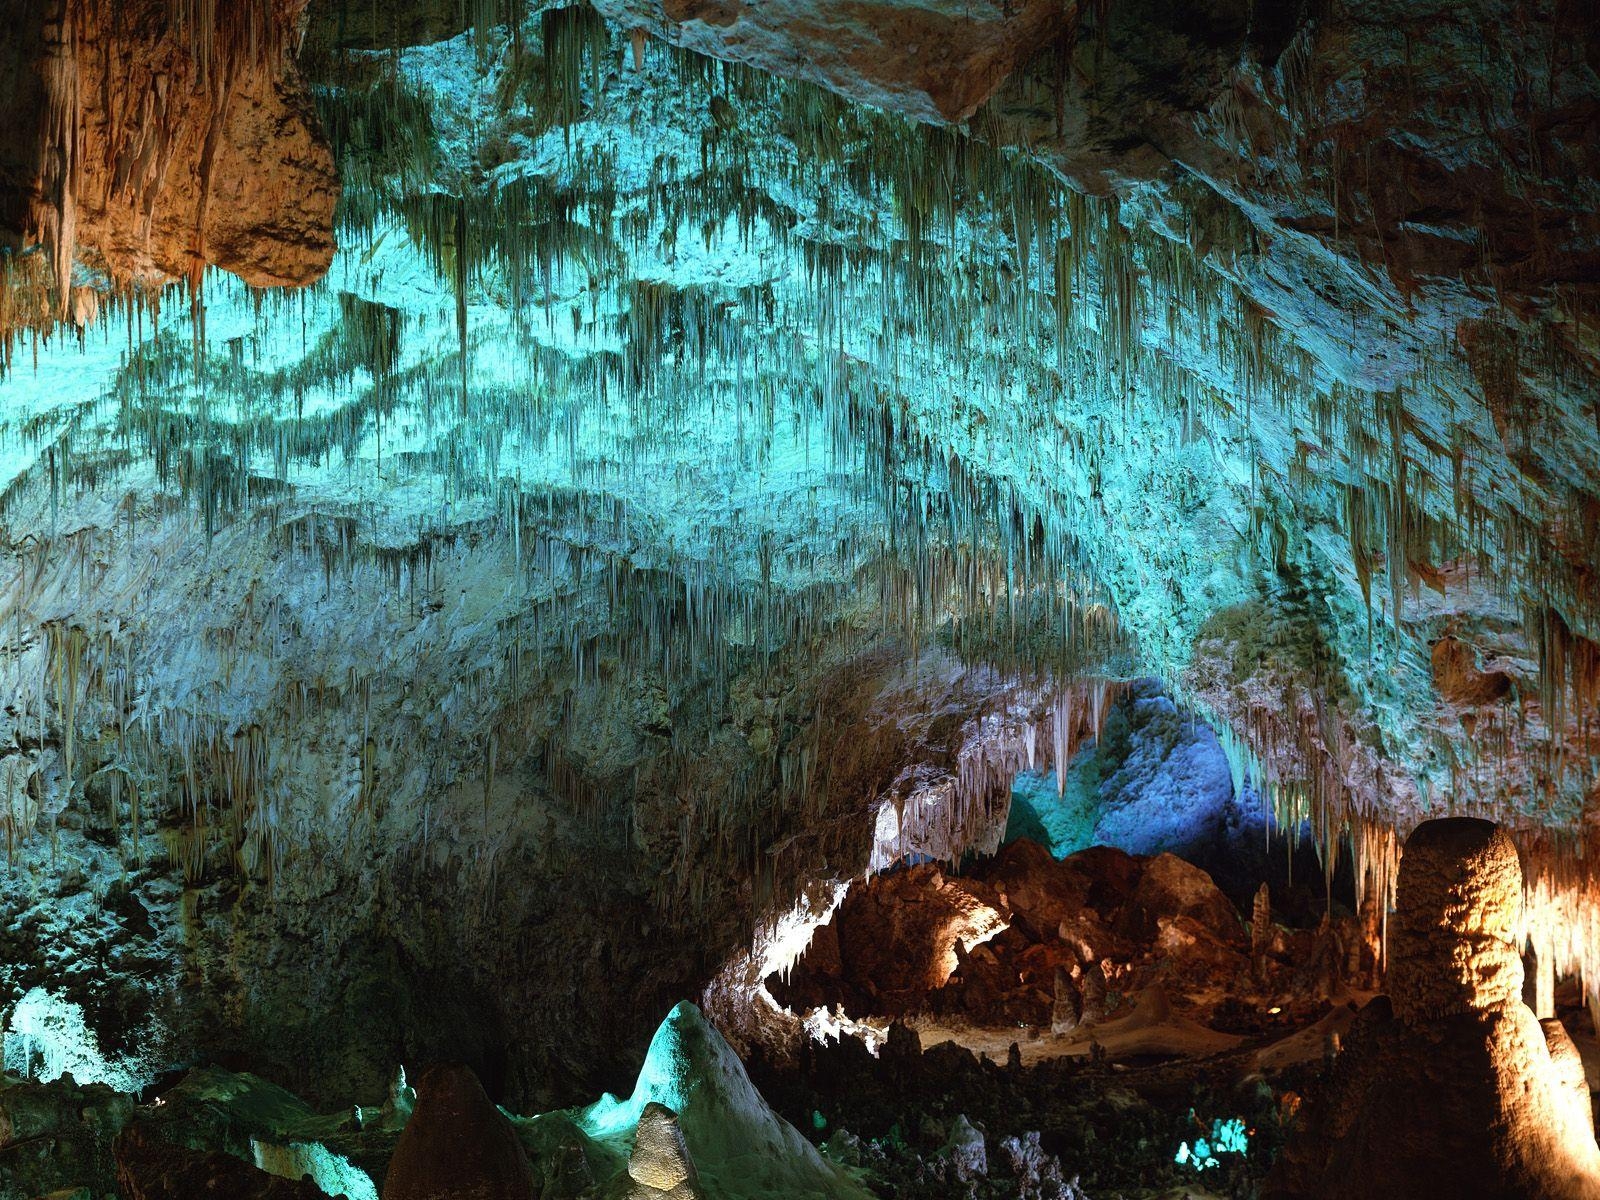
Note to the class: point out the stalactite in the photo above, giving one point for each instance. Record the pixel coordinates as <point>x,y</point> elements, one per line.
<point>61,149</point>
<point>951,339</point>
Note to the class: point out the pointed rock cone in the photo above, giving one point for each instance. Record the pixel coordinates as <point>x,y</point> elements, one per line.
<point>695,1118</point>
<point>457,1145</point>
<point>1068,1007</point>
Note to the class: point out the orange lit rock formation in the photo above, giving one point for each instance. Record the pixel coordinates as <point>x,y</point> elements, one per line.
<point>1451,1087</point>
<point>154,139</point>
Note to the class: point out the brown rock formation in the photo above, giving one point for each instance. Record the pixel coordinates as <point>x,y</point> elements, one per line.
<point>1451,1087</point>
<point>898,938</point>
<point>457,1145</point>
<point>153,140</point>
<point>149,1168</point>
<point>936,61</point>
<point>1025,938</point>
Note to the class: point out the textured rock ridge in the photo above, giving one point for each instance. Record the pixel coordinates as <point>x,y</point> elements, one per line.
<point>149,1168</point>
<point>935,61</point>
<point>1450,1087</point>
<point>152,140</point>
<point>1453,941</point>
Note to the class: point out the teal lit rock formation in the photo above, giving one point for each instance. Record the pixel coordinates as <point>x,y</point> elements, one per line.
<point>689,486</point>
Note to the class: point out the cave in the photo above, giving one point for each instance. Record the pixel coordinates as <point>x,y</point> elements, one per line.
<point>720,599</point>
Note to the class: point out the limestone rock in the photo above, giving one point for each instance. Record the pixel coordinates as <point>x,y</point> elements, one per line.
<point>56,1132</point>
<point>154,145</point>
<point>1067,1009</point>
<point>149,1168</point>
<point>660,1165</point>
<point>1170,888</point>
<point>457,1145</point>
<point>936,61</point>
<point>696,1124</point>
<point>1450,1087</point>
<point>1452,944</point>
<point>964,1155</point>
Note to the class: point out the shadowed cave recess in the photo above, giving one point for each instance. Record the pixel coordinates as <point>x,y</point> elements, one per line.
<point>777,598</point>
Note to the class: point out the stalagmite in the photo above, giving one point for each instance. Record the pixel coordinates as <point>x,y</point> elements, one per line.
<point>1260,927</point>
<point>457,1145</point>
<point>660,1167</point>
<point>1449,1086</point>
<point>1067,1008</point>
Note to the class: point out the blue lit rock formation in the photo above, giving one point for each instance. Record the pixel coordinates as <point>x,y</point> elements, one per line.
<point>1157,779</point>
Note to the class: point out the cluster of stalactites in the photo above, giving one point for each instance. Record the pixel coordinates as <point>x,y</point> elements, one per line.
<point>223,38</point>
<point>996,560</point>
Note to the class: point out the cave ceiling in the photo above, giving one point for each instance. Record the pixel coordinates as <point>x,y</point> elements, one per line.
<point>663,364</point>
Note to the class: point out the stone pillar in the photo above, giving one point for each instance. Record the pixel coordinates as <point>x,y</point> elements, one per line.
<point>1450,1086</point>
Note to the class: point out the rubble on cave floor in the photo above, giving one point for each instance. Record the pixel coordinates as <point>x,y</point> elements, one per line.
<point>1099,953</point>
<point>1104,1025</point>
<point>695,1127</point>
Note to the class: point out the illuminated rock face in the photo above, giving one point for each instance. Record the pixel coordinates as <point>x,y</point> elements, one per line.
<point>660,1167</point>
<point>1451,1087</point>
<point>1453,937</point>
<point>696,1126</point>
<point>149,1168</point>
<point>164,144</point>
<point>934,61</point>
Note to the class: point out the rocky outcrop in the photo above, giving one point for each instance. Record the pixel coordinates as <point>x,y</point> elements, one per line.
<point>696,1126</point>
<point>149,1168</point>
<point>153,140</point>
<point>936,61</point>
<point>899,937</point>
<point>1450,1086</point>
<point>57,1134</point>
<point>1136,954</point>
<point>660,1167</point>
<point>457,1145</point>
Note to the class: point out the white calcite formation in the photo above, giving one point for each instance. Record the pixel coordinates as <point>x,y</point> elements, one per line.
<point>695,1126</point>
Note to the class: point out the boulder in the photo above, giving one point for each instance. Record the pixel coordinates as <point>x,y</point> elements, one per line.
<point>1170,888</point>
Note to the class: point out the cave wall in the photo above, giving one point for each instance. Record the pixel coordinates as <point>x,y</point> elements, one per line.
<point>543,571</point>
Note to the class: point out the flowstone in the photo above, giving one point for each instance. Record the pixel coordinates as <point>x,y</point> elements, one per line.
<point>696,1124</point>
